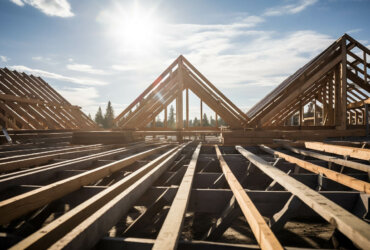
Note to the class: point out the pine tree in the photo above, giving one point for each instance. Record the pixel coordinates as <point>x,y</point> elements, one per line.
<point>109,116</point>
<point>99,119</point>
<point>221,122</point>
<point>205,120</point>
<point>212,121</point>
<point>196,122</point>
<point>158,122</point>
<point>191,123</point>
<point>171,118</point>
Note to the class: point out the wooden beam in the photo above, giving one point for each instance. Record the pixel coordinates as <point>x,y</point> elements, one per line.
<point>359,104</point>
<point>187,107</point>
<point>347,163</point>
<point>55,230</point>
<point>343,179</point>
<point>350,225</point>
<point>179,98</point>
<point>43,173</point>
<point>165,117</point>
<point>39,159</point>
<point>170,231</point>
<point>263,234</point>
<point>292,95</point>
<point>86,234</point>
<point>147,90</point>
<point>24,203</point>
<point>201,113</point>
<point>215,89</point>
<point>360,153</point>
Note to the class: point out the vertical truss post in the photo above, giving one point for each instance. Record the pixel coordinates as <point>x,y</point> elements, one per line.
<point>301,112</point>
<point>179,101</point>
<point>331,114</point>
<point>343,87</point>
<point>367,119</point>
<point>187,107</point>
<point>201,112</point>
<point>216,119</point>
<point>165,117</point>
<point>338,113</point>
<point>365,69</point>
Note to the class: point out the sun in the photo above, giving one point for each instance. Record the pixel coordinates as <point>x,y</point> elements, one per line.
<point>133,28</point>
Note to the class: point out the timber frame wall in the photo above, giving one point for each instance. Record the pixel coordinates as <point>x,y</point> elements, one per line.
<point>28,102</point>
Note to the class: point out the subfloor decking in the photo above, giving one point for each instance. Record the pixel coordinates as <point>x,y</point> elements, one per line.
<point>171,195</point>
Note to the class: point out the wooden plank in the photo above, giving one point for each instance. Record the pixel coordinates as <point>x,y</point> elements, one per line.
<point>360,153</point>
<point>187,107</point>
<point>170,232</point>
<point>49,234</point>
<point>263,234</point>
<point>24,203</point>
<point>347,163</point>
<point>343,179</point>
<point>350,225</point>
<point>42,173</point>
<point>45,152</point>
<point>38,160</point>
<point>89,232</point>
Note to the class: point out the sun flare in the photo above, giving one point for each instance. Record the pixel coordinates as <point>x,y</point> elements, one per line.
<point>133,28</point>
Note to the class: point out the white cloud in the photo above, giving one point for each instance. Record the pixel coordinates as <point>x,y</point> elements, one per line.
<point>18,2</point>
<point>119,67</point>
<point>84,97</point>
<point>4,59</point>
<point>293,8</point>
<point>60,8</point>
<point>40,58</point>
<point>353,31</point>
<point>234,56</point>
<point>86,69</point>
<point>46,74</point>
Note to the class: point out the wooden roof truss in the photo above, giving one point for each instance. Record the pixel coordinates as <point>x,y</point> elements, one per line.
<point>336,83</point>
<point>181,76</point>
<point>28,102</point>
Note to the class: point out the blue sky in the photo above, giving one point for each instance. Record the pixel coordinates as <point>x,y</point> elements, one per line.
<point>93,51</point>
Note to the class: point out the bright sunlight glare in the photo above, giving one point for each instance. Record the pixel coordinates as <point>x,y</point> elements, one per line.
<point>133,29</point>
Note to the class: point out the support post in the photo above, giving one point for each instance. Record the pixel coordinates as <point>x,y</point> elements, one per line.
<point>367,119</point>
<point>343,87</point>
<point>201,113</point>
<point>179,101</point>
<point>187,107</point>
<point>165,117</point>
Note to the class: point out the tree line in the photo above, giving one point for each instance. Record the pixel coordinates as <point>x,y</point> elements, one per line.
<point>107,120</point>
<point>171,121</point>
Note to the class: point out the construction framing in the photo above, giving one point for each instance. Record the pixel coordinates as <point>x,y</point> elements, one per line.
<point>291,173</point>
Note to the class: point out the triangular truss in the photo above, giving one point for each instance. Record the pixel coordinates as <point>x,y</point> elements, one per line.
<point>180,76</point>
<point>336,85</point>
<point>28,102</point>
